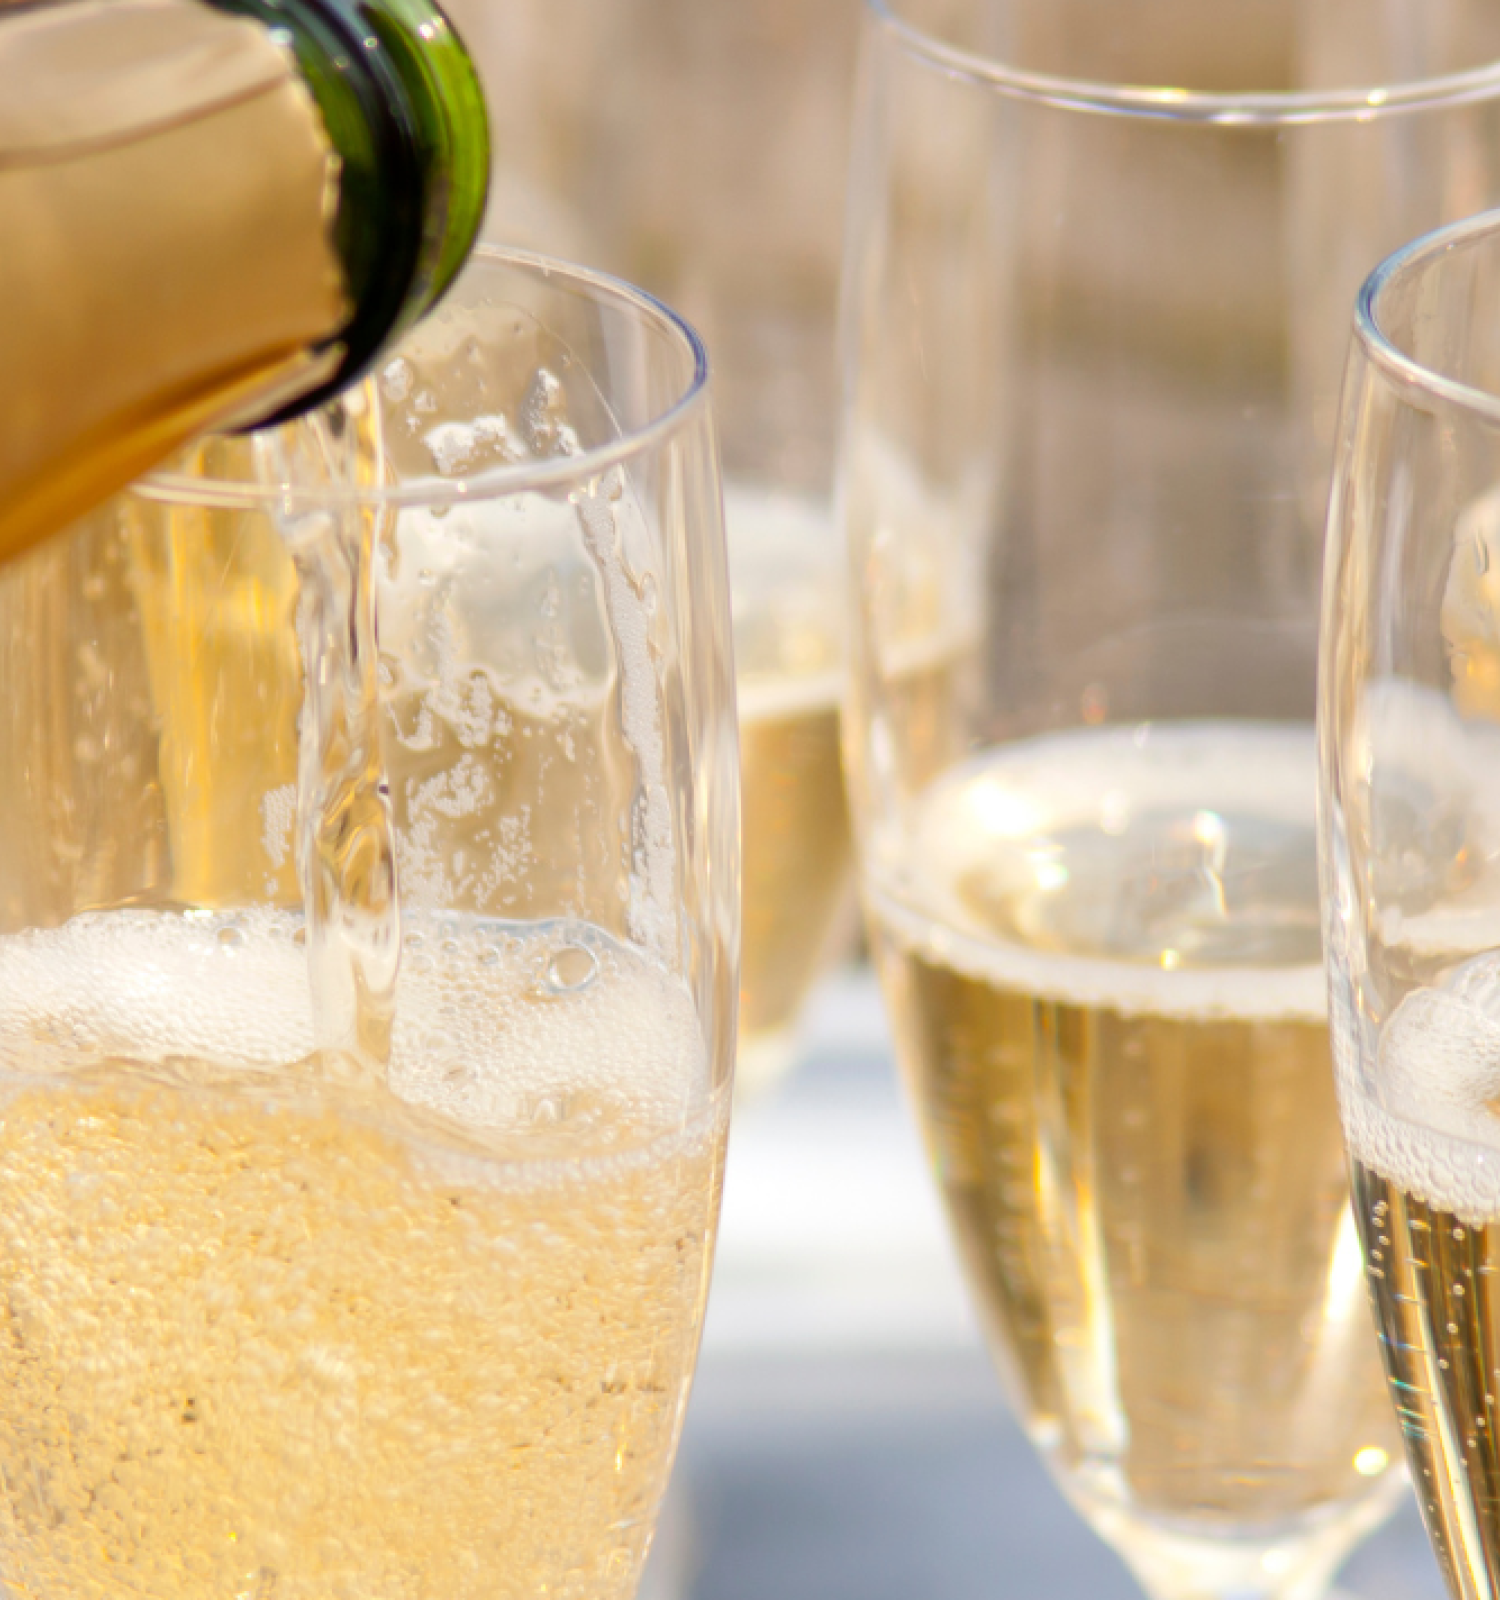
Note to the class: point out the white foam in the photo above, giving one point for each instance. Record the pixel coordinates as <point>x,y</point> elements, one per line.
<point>1427,1115</point>
<point>989,809</point>
<point>498,1024</point>
<point>461,449</point>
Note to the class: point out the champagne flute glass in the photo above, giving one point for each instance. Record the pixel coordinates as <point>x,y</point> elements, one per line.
<point>1409,716</point>
<point>367,1012</point>
<point>698,146</point>
<point>1097,285</point>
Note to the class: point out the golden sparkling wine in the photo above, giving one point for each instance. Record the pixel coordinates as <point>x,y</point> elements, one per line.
<point>319,1277</point>
<point>1427,1199</point>
<point>1102,953</point>
<point>794,819</point>
<point>271,1332</point>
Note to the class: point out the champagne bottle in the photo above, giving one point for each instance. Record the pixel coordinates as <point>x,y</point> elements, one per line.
<point>215,213</point>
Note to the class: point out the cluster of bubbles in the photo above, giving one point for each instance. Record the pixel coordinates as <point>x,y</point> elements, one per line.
<point>501,1027</point>
<point>461,447</point>
<point>1430,1120</point>
<point>589,1031</point>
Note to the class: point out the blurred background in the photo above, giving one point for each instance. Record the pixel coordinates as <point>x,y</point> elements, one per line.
<point>847,1439</point>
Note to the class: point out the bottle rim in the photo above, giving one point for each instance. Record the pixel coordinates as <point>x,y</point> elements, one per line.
<point>1413,376</point>
<point>421,107</point>
<point>552,472</point>
<point>1248,109</point>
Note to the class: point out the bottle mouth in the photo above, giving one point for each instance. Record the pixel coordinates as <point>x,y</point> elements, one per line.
<point>451,130</point>
<point>403,106</point>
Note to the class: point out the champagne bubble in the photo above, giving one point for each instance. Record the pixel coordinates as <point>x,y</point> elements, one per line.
<point>571,969</point>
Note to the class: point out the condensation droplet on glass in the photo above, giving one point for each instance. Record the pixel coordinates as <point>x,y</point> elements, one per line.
<point>571,969</point>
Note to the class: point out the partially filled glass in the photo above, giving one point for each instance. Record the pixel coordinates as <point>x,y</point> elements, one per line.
<point>367,978</point>
<point>1410,722</point>
<point>1096,289</point>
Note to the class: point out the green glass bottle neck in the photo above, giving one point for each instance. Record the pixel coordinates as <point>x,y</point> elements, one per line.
<point>403,108</point>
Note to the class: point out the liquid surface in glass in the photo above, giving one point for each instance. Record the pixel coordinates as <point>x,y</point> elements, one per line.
<point>1102,954</point>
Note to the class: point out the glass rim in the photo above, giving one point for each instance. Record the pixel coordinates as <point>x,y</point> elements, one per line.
<point>1401,368</point>
<point>1249,109</point>
<point>492,483</point>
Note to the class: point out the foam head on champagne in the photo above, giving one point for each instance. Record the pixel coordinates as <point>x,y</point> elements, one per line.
<point>1432,1123</point>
